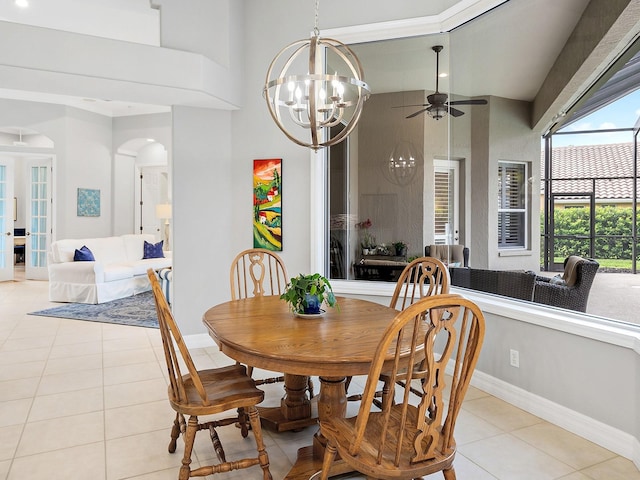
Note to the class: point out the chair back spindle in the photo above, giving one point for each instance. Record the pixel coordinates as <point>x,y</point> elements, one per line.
<point>423,277</point>
<point>256,272</point>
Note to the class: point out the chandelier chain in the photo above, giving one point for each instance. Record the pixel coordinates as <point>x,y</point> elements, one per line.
<point>316,30</point>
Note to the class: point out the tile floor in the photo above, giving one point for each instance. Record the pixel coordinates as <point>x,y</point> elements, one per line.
<point>85,400</point>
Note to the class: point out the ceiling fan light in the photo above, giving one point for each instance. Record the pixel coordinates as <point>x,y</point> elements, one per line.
<point>436,112</point>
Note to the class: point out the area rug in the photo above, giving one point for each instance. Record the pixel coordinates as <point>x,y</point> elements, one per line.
<point>138,310</point>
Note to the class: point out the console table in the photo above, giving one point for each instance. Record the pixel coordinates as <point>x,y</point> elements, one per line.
<point>386,268</point>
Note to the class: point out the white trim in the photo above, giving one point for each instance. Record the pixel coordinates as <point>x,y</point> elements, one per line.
<point>576,323</point>
<point>462,12</point>
<point>613,439</point>
<point>515,252</point>
<point>613,332</point>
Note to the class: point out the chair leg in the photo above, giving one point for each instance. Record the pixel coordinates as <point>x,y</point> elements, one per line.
<point>263,457</point>
<point>327,461</point>
<point>449,474</point>
<point>243,422</point>
<point>388,391</point>
<point>189,438</point>
<point>175,434</point>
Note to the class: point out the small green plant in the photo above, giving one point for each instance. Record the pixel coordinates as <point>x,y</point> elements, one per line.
<point>400,248</point>
<point>305,293</point>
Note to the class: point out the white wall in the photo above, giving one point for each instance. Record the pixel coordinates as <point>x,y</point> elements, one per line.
<point>86,163</point>
<point>204,191</point>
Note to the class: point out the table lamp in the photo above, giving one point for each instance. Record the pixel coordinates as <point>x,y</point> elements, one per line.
<point>163,211</point>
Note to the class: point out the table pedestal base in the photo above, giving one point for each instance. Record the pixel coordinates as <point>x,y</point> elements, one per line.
<point>332,402</point>
<point>307,464</point>
<point>295,411</point>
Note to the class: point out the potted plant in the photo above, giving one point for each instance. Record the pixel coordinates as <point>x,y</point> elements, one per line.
<point>368,242</point>
<point>401,248</point>
<point>305,293</point>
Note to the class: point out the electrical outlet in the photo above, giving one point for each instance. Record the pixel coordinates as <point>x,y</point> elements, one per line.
<point>514,358</point>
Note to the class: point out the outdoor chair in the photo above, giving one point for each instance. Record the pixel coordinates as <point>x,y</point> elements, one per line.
<point>451,255</point>
<point>256,272</point>
<point>571,290</point>
<point>206,392</point>
<point>413,437</point>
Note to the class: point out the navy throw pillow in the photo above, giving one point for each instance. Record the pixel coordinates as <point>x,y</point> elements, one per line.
<point>153,250</point>
<point>83,255</point>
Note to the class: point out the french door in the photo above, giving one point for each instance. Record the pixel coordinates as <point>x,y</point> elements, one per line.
<point>39,217</point>
<point>7,214</point>
<point>446,201</point>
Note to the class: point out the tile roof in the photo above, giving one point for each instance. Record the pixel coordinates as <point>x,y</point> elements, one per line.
<point>607,162</point>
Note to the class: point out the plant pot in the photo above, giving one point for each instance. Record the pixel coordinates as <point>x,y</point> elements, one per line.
<point>312,304</point>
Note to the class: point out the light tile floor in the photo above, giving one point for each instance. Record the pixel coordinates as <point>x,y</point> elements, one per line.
<point>85,400</point>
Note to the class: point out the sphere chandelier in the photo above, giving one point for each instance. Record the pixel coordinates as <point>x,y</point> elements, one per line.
<point>401,165</point>
<point>305,104</point>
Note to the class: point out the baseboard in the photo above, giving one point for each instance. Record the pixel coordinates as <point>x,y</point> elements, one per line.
<point>619,442</point>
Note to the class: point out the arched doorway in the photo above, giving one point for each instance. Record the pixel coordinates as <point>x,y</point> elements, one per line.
<point>142,183</point>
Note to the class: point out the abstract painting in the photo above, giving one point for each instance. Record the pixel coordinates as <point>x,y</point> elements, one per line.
<point>267,204</point>
<point>88,202</point>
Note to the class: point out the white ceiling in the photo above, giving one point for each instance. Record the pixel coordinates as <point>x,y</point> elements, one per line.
<point>506,52</point>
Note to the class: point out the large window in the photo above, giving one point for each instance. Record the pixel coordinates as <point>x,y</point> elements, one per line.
<point>512,205</point>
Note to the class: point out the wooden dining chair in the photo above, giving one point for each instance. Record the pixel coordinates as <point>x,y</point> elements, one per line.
<point>256,272</point>
<point>413,437</point>
<point>421,278</point>
<point>206,392</point>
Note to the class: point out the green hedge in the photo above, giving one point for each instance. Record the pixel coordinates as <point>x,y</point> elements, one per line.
<point>612,227</point>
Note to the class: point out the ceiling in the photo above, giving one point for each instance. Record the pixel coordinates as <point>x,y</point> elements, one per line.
<point>506,52</point>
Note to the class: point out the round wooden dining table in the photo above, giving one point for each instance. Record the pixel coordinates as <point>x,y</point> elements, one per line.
<point>264,333</point>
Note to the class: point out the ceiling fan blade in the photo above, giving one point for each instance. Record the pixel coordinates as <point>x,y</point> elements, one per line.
<point>417,113</point>
<point>418,105</point>
<point>454,112</point>
<point>469,102</point>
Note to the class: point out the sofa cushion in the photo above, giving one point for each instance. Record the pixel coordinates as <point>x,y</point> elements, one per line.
<point>83,255</point>
<point>117,271</point>
<point>153,250</point>
<point>140,267</point>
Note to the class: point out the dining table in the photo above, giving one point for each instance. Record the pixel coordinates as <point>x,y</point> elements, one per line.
<point>339,343</point>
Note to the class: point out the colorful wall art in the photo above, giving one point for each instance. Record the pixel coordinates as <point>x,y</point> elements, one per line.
<point>267,204</point>
<point>88,202</point>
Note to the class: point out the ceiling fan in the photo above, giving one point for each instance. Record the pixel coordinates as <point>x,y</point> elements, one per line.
<point>438,106</point>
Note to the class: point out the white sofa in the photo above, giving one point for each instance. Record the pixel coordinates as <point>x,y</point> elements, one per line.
<point>118,270</point>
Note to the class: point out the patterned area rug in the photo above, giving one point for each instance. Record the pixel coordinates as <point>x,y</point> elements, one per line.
<point>138,310</point>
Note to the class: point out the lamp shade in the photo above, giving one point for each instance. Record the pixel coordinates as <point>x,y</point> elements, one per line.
<point>163,210</point>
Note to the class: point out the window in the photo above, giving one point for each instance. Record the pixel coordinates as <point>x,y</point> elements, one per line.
<point>512,205</point>
<point>446,196</point>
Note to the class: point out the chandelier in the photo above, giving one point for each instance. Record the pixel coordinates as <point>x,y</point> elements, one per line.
<point>305,104</point>
<point>400,167</point>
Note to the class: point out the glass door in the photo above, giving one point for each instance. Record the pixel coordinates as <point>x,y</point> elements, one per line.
<point>7,215</point>
<point>38,218</point>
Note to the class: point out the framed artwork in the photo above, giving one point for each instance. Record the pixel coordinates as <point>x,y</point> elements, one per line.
<point>267,204</point>
<point>88,202</point>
